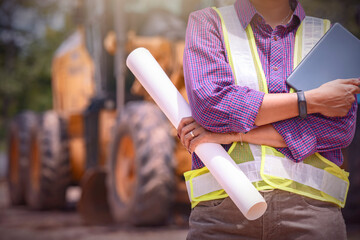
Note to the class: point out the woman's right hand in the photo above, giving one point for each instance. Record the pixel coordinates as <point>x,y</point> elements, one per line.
<point>333,99</point>
<point>192,134</point>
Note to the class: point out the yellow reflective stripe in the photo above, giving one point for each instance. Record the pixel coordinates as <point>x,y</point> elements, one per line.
<point>189,176</point>
<point>218,194</point>
<point>194,173</point>
<point>316,178</point>
<point>208,197</point>
<point>340,173</point>
<point>288,185</point>
<point>231,149</point>
<point>327,25</point>
<point>326,161</point>
<point>292,90</point>
<point>259,70</point>
<point>227,44</point>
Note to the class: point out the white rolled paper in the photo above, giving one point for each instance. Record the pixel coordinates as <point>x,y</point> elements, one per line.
<point>235,183</point>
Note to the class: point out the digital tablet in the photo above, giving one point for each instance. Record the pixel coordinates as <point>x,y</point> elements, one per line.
<point>335,56</point>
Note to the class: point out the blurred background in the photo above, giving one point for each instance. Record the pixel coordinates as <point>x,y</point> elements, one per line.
<point>79,137</point>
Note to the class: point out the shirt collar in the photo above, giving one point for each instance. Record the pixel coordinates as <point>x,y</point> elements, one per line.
<point>246,11</point>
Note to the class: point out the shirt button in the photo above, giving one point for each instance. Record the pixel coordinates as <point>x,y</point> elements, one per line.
<point>275,68</point>
<point>275,38</point>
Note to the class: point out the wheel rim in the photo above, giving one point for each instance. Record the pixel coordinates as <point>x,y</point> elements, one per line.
<point>125,170</point>
<point>14,159</point>
<point>35,164</point>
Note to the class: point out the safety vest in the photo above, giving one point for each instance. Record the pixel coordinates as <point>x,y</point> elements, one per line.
<point>315,177</point>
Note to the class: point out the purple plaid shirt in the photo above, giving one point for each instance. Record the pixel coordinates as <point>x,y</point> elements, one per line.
<point>221,106</point>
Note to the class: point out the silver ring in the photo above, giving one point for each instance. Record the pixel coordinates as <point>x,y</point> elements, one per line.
<point>192,134</point>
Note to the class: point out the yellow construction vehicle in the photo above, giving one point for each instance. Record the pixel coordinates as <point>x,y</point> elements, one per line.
<point>104,133</point>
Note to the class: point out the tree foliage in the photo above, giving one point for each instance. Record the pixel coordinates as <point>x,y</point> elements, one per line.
<point>26,55</point>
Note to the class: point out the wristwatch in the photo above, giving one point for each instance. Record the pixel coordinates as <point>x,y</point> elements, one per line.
<point>302,105</point>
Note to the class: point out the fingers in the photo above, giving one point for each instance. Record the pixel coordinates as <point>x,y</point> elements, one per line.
<point>188,129</point>
<point>185,121</point>
<point>193,136</point>
<point>200,137</point>
<point>193,143</point>
<point>185,134</point>
<point>352,81</point>
<point>204,136</point>
<point>336,98</point>
<point>351,85</point>
<point>352,89</point>
<point>356,90</point>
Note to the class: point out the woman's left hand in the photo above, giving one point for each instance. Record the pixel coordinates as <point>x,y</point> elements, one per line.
<point>192,134</point>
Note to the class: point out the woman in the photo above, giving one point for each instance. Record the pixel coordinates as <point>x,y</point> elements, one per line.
<point>227,110</point>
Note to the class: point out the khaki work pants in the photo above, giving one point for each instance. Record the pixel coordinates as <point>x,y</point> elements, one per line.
<point>289,216</point>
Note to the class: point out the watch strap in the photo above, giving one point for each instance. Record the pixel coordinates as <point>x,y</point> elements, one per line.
<point>302,104</point>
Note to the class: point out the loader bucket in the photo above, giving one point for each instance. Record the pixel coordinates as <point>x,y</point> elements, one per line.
<point>93,206</point>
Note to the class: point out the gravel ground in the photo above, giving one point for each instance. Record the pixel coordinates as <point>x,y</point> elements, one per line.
<point>19,223</point>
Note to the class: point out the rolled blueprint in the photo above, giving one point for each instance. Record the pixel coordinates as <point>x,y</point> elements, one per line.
<point>239,188</point>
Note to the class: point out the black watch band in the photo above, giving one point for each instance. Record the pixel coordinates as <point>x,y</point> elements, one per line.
<point>302,105</point>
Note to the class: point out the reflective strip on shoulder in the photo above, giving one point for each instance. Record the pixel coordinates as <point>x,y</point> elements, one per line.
<point>239,47</point>
<point>313,30</point>
<point>308,34</point>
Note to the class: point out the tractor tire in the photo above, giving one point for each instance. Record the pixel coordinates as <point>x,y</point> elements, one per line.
<point>141,178</point>
<point>49,167</point>
<point>19,136</point>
